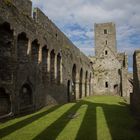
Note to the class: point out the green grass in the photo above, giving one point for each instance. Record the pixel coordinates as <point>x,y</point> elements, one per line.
<point>97,118</point>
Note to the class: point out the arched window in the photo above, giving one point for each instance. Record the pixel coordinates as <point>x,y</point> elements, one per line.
<point>26,97</point>
<point>6,46</point>
<point>86,83</point>
<point>35,51</point>
<point>52,66</point>
<point>81,84</point>
<point>74,80</point>
<point>90,84</point>
<point>44,63</point>
<point>59,68</point>
<point>5,104</point>
<point>22,47</point>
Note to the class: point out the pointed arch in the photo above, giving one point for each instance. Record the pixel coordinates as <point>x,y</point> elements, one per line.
<point>6,48</point>
<point>52,66</point>
<point>81,83</point>
<point>59,68</point>
<point>90,84</point>
<point>44,63</point>
<point>74,73</point>
<point>26,96</point>
<point>86,83</point>
<point>22,47</point>
<point>35,51</point>
<point>5,103</point>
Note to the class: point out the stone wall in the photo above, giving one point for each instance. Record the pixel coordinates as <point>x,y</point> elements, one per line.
<point>135,97</point>
<point>109,67</point>
<point>105,35</point>
<point>39,64</point>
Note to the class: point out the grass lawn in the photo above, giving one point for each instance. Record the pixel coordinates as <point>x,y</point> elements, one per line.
<point>93,118</point>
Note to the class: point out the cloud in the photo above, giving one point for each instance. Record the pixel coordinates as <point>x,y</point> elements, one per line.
<point>76,19</point>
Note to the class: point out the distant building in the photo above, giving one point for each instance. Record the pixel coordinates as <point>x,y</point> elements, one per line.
<point>110,68</point>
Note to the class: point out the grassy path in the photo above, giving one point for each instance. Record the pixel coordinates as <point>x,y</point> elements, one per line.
<point>94,118</point>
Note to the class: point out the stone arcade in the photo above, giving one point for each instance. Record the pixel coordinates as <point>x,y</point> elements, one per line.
<point>39,65</point>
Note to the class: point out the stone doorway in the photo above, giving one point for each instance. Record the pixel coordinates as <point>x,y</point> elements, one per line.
<point>68,91</point>
<point>26,96</point>
<point>5,104</point>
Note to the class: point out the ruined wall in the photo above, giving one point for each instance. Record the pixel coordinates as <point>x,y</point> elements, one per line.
<point>135,97</point>
<point>39,64</point>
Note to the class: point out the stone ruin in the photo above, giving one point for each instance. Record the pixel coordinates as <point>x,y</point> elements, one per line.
<point>39,65</point>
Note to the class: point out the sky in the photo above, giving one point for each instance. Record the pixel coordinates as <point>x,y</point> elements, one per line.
<point>76,18</point>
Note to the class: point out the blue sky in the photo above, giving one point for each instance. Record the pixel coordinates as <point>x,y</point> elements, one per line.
<point>76,18</point>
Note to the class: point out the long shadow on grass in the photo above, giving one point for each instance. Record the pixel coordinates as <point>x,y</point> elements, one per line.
<point>51,132</point>
<point>115,116</point>
<point>87,129</point>
<point>10,129</point>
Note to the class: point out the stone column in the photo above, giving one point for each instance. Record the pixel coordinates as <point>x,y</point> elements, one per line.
<point>55,68</point>
<point>77,90</point>
<point>40,55</point>
<point>61,71</point>
<point>88,89</point>
<point>29,49</point>
<point>48,67</point>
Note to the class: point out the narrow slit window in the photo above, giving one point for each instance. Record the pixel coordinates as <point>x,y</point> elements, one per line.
<point>106,52</point>
<point>105,31</point>
<point>106,84</point>
<point>106,42</point>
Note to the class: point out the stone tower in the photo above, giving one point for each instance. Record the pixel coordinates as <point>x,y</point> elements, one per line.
<point>105,36</point>
<point>108,65</point>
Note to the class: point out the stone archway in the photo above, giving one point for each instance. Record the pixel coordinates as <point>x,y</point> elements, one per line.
<point>6,46</point>
<point>90,85</point>
<point>22,47</point>
<point>68,91</point>
<point>74,81</point>
<point>52,66</point>
<point>35,51</point>
<point>59,68</point>
<point>86,83</point>
<point>81,84</point>
<point>44,64</point>
<point>26,96</point>
<point>5,104</point>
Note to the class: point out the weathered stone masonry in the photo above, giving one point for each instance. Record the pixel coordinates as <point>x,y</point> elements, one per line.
<point>39,65</point>
<point>135,97</point>
<point>110,68</point>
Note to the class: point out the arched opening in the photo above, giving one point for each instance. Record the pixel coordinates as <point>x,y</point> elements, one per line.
<point>26,97</point>
<point>90,84</point>
<point>74,81</point>
<point>5,104</point>
<point>22,47</point>
<point>35,51</point>
<point>116,89</point>
<point>59,68</point>
<point>86,83</point>
<point>6,46</point>
<point>52,66</point>
<point>68,91</point>
<point>44,63</point>
<point>81,83</point>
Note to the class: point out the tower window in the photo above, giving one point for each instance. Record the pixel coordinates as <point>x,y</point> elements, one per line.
<point>105,31</point>
<point>106,52</point>
<point>106,42</point>
<point>106,84</point>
